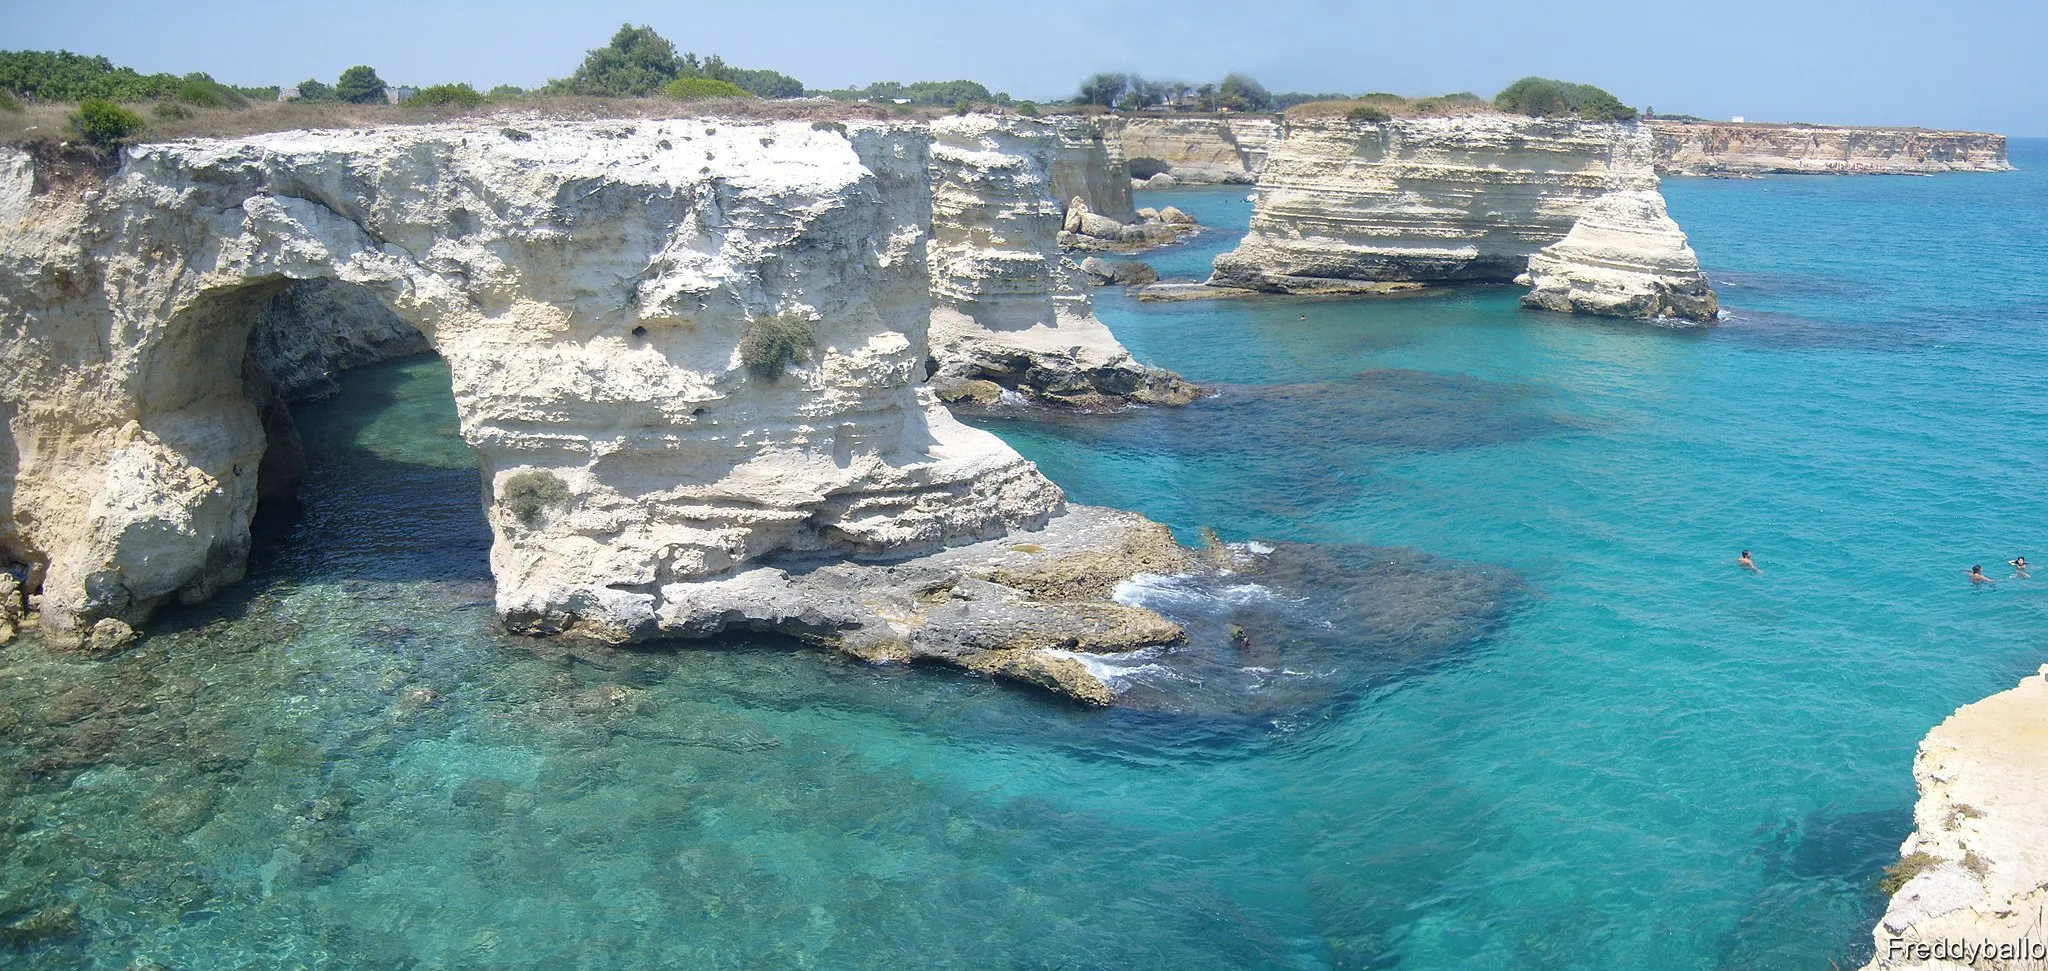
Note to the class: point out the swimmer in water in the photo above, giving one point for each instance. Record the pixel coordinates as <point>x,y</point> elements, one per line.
<point>1746,563</point>
<point>2019,566</point>
<point>1977,576</point>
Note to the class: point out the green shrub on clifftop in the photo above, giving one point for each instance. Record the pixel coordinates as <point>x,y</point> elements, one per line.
<point>360,85</point>
<point>775,342</point>
<point>1367,113</point>
<point>697,89</point>
<point>438,95</point>
<point>104,123</point>
<point>529,493</point>
<point>1545,98</point>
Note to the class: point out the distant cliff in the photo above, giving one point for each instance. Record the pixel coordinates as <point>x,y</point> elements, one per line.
<point>1198,149</point>
<point>1728,148</point>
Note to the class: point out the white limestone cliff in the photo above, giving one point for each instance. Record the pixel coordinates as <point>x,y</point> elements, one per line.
<point>1624,257</point>
<point>599,291</point>
<point>1749,148</point>
<point>1198,150</point>
<point>1362,206</point>
<point>1088,164</point>
<point>1975,869</point>
<point>1010,311</point>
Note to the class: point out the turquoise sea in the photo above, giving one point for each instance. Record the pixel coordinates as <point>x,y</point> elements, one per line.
<point>1543,721</point>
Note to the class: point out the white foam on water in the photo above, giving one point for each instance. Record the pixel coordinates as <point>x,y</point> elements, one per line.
<point>1155,590</point>
<point>1012,398</point>
<point>1107,669</point>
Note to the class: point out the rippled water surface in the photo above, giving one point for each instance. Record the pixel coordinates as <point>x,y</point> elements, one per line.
<point>1547,722</point>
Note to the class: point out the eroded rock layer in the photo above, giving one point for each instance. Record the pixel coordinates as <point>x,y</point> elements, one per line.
<point>1734,148</point>
<point>680,348</point>
<point>1974,873</point>
<point>1358,206</point>
<point>1624,257</point>
<point>1198,150</point>
<point>1088,164</point>
<point>1010,311</point>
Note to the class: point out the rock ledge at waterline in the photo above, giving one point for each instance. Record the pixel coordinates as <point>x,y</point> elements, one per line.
<point>599,291</point>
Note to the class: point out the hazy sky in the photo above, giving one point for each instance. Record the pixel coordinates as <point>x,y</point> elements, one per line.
<point>1953,63</point>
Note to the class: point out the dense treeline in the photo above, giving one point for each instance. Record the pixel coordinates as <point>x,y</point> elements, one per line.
<point>942,94</point>
<point>64,76</point>
<point>1545,98</point>
<point>640,63</point>
<point>1129,92</point>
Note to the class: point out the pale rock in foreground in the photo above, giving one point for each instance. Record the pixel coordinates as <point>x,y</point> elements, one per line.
<point>1011,312</point>
<point>595,289</point>
<point>1624,257</point>
<point>1979,849</point>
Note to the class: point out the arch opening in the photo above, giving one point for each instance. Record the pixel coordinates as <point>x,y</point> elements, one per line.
<point>364,470</point>
<point>1145,168</point>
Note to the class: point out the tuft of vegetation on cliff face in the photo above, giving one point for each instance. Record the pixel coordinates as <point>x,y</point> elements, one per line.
<point>1545,98</point>
<point>639,63</point>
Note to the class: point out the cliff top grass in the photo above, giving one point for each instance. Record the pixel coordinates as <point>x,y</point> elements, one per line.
<point>49,123</point>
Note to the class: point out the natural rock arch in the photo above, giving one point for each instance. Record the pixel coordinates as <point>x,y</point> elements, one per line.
<point>589,286</point>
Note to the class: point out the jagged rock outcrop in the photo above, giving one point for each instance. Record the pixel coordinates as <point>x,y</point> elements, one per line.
<point>1624,257</point>
<point>1198,150</point>
<point>1123,273</point>
<point>1975,869</point>
<point>1739,148</point>
<point>1009,310</point>
<point>1357,206</point>
<point>600,292</point>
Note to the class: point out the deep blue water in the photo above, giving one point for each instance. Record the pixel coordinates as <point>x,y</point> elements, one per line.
<point>1574,734</point>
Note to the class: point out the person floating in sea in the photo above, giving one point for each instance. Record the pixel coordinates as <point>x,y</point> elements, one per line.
<point>1977,576</point>
<point>2019,566</point>
<point>1746,563</point>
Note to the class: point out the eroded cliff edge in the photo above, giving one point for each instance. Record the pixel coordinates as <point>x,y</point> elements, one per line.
<point>1011,312</point>
<point>1376,207</point>
<point>1975,869</point>
<point>1748,148</point>
<point>1197,150</point>
<point>688,354</point>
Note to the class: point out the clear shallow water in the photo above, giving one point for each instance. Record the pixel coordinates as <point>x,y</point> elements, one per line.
<point>1642,759</point>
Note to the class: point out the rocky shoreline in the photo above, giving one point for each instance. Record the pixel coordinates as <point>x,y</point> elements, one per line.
<point>1974,873</point>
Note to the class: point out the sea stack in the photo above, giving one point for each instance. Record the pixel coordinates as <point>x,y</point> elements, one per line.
<point>1357,206</point>
<point>1624,257</point>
